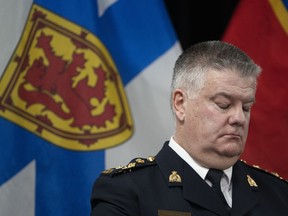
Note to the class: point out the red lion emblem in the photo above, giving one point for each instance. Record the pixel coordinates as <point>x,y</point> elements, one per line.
<point>57,78</point>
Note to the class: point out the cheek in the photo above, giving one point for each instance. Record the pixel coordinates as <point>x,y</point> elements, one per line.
<point>204,119</point>
<point>206,122</point>
<point>247,123</point>
<point>212,119</point>
<point>246,129</point>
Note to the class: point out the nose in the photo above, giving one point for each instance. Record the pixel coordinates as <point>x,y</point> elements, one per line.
<point>238,116</point>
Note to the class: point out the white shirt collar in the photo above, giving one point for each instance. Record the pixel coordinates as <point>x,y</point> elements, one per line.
<point>202,171</point>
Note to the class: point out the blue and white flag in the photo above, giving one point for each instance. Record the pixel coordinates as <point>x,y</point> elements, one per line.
<point>84,86</point>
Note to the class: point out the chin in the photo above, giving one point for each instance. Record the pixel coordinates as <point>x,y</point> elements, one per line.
<point>223,163</point>
<point>230,157</point>
<point>232,151</point>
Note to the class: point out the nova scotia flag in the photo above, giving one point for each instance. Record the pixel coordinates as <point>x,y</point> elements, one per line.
<point>84,86</point>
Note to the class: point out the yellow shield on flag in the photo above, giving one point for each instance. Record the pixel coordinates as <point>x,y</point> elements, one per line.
<point>63,85</point>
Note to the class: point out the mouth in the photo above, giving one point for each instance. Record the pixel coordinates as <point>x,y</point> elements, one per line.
<point>233,136</point>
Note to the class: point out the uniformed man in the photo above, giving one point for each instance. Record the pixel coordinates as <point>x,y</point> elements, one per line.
<point>198,172</point>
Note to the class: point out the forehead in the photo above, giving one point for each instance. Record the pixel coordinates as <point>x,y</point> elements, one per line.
<point>229,83</point>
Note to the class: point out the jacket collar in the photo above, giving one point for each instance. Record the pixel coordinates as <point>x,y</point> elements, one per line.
<point>245,192</point>
<point>197,191</point>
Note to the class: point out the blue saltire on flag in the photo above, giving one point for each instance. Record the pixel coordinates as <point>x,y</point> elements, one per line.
<point>127,36</point>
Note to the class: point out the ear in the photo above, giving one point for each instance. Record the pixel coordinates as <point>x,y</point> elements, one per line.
<point>179,101</point>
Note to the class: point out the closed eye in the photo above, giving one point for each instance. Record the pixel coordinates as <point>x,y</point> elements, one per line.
<point>247,108</point>
<point>223,106</point>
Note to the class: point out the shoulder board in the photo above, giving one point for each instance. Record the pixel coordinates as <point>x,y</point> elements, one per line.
<point>134,164</point>
<point>266,171</point>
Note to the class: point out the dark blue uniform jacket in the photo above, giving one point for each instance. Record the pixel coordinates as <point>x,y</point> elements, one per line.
<point>167,186</point>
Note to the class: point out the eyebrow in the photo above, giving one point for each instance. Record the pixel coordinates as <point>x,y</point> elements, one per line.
<point>230,97</point>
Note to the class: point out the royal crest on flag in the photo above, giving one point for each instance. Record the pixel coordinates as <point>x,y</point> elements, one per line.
<point>63,85</point>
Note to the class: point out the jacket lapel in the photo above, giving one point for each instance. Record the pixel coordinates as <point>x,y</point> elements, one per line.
<point>195,190</point>
<point>245,190</point>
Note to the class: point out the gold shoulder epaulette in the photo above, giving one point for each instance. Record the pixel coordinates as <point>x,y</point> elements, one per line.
<point>134,164</point>
<point>266,171</point>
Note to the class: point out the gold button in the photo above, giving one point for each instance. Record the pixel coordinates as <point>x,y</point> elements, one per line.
<point>139,160</point>
<point>151,158</point>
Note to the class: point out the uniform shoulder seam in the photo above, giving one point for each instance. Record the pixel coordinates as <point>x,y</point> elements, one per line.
<point>258,168</point>
<point>135,164</point>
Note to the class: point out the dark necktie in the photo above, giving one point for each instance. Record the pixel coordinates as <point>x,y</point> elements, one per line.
<point>214,176</point>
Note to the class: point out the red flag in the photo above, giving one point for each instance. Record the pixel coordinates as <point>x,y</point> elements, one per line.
<point>260,28</point>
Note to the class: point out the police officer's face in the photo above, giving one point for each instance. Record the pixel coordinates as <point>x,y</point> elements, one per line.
<point>213,125</point>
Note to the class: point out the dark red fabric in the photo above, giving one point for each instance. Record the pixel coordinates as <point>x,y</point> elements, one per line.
<point>255,28</point>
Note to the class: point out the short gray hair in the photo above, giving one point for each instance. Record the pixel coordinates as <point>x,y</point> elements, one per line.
<point>193,64</point>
